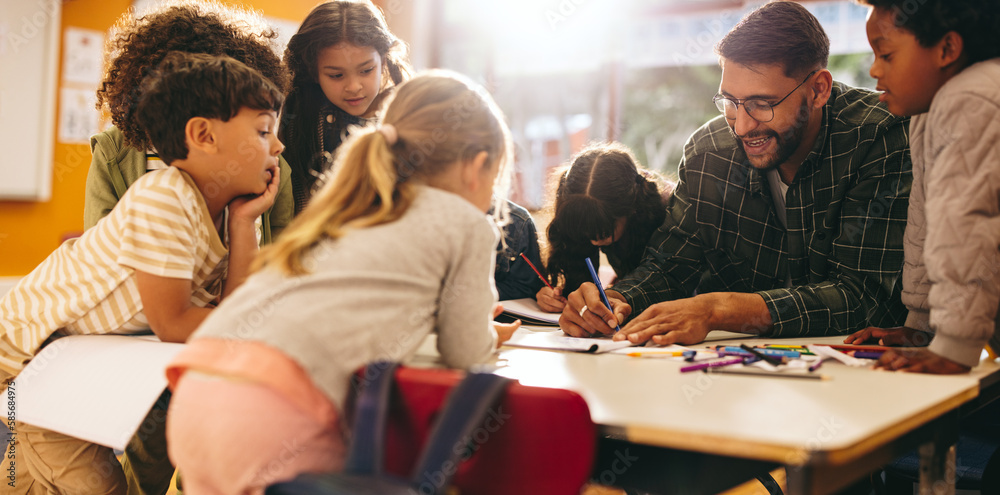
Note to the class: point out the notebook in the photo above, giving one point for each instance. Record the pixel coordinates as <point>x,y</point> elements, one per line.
<point>556,340</point>
<point>528,312</point>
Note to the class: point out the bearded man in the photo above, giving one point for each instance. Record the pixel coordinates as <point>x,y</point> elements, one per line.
<point>789,215</point>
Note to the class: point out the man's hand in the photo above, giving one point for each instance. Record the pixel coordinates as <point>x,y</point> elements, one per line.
<point>896,336</point>
<point>684,321</point>
<point>550,300</point>
<point>919,361</point>
<point>585,314</point>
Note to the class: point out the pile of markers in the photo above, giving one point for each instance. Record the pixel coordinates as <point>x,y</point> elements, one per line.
<point>775,360</point>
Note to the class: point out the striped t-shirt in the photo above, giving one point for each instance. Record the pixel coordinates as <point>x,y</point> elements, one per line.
<point>87,286</point>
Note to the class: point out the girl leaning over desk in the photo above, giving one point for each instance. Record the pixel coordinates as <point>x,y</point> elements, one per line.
<point>604,202</point>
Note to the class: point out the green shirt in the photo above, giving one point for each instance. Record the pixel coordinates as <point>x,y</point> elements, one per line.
<point>115,166</point>
<point>842,249</point>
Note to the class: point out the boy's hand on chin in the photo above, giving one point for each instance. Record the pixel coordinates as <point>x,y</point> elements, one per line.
<point>251,206</point>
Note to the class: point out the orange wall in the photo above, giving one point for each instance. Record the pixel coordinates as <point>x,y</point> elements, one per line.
<point>29,231</point>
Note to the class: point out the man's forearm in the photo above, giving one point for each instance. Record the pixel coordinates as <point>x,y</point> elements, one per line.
<point>729,311</point>
<point>738,312</point>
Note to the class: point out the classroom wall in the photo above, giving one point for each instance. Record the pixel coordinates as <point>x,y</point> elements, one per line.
<point>29,231</point>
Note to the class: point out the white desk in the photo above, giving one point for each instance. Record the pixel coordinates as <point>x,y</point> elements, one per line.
<point>826,433</point>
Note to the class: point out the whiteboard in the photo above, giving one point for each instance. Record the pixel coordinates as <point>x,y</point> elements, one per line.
<point>29,55</point>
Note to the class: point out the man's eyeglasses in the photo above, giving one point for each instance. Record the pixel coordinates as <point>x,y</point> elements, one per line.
<point>757,109</point>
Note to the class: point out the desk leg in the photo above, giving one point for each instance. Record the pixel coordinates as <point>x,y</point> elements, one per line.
<point>798,480</point>
<point>937,469</point>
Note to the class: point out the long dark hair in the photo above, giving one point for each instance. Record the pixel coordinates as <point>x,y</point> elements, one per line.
<point>372,183</point>
<point>357,22</point>
<point>602,184</point>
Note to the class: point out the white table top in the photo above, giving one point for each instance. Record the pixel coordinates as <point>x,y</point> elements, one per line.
<point>783,420</point>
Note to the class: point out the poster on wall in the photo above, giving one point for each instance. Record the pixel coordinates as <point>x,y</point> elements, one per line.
<point>83,56</point>
<point>78,116</point>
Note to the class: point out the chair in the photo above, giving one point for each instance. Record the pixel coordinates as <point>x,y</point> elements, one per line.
<point>977,456</point>
<point>536,440</point>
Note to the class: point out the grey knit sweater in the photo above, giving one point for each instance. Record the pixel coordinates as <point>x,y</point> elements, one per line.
<point>375,293</point>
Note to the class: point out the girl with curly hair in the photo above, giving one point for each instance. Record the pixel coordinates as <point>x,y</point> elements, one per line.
<point>605,201</point>
<point>343,60</point>
<point>122,153</point>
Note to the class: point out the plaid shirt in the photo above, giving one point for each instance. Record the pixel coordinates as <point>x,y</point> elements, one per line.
<point>843,245</point>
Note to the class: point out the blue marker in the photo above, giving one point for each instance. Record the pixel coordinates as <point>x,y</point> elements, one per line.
<point>768,351</point>
<point>600,288</point>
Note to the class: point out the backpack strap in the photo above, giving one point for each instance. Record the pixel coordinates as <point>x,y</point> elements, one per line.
<point>371,411</point>
<point>467,406</point>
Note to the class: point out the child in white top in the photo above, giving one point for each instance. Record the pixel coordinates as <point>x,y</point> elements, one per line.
<point>395,246</point>
<point>941,65</point>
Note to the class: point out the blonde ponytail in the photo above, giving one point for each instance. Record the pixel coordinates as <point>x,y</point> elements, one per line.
<point>439,119</point>
<point>362,193</point>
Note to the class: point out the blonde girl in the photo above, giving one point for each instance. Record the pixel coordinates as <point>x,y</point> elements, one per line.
<point>395,246</point>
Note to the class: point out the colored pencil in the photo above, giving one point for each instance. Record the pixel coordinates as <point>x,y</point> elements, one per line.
<point>600,289</point>
<point>847,347</point>
<point>711,364</point>
<point>532,265</point>
<point>741,371</point>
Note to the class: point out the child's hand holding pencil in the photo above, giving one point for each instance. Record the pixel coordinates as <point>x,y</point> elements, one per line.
<point>549,298</point>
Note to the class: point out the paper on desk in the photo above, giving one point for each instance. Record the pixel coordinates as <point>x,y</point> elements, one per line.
<point>652,350</point>
<point>528,311</point>
<point>828,352</point>
<point>559,341</point>
<point>94,387</point>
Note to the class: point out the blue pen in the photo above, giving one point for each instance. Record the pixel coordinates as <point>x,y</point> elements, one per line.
<point>770,352</point>
<point>600,288</point>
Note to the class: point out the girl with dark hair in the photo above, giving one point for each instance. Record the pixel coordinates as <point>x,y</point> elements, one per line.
<point>605,201</point>
<point>343,60</point>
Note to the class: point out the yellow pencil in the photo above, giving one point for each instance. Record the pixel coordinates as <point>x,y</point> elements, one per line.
<point>664,353</point>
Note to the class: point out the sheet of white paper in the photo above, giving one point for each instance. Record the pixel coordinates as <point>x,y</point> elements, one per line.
<point>528,309</point>
<point>94,387</point>
<point>651,350</point>
<point>824,351</point>
<point>559,341</point>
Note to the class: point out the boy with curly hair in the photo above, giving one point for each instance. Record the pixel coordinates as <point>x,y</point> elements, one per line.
<point>123,153</point>
<point>178,241</point>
